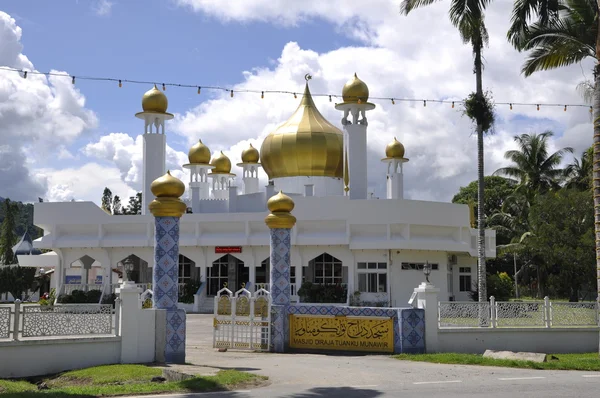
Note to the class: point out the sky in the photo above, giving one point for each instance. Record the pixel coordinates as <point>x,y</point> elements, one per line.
<point>61,141</point>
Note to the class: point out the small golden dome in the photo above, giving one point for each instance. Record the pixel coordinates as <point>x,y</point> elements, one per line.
<point>199,153</point>
<point>167,186</point>
<point>155,100</point>
<point>354,90</point>
<point>280,203</point>
<point>394,150</point>
<point>222,164</point>
<point>250,155</point>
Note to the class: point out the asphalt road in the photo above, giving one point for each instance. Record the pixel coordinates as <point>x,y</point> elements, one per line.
<point>314,376</point>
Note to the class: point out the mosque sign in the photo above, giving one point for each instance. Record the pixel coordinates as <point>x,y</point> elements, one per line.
<point>228,249</point>
<point>370,334</point>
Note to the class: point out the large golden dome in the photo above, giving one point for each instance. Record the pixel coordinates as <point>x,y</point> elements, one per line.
<point>221,163</point>
<point>155,100</point>
<point>250,155</point>
<point>305,145</point>
<point>394,150</point>
<point>199,154</point>
<point>354,90</point>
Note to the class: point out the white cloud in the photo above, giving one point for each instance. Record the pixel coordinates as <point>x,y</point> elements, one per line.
<point>38,117</point>
<point>403,58</point>
<point>102,7</point>
<point>122,151</point>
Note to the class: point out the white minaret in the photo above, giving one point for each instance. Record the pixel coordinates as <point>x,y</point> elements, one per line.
<point>154,106</point>
<point>394,157</point>
<point>199,157</point>
<point>250,165</point>
<point>355,94</point>
<point>221,175</point>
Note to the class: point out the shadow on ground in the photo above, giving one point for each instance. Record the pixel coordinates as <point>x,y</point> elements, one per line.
<point>345,392</point>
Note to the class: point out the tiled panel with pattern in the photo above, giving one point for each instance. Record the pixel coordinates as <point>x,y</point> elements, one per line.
<point>166,263</point>
<point>175,348</point>
<point>280,265</point>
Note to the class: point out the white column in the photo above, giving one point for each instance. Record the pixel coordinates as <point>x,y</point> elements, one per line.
<point>155,150</point>
<point>357,160</point>
<point>129,295</point>
<point>395,183</point>
<point>250,178</point>
<point>427,299</point>
<point>253,275</point>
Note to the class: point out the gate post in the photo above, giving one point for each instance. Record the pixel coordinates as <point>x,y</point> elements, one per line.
<point>280,222</point>
<point>167,209</point>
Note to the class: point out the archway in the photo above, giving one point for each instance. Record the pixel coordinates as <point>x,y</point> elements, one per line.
<point>326,270</point>
<point>227,271</point>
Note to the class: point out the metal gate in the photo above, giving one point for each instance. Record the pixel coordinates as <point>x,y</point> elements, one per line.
<point>242,321</point>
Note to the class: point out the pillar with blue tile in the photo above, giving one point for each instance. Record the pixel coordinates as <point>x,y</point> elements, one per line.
<point>280,221</point>
<point>167,209</point>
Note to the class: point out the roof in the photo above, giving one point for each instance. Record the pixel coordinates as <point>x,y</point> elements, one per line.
<point>25,246</point>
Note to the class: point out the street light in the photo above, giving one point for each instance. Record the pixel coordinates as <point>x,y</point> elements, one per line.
<point>427,270</point>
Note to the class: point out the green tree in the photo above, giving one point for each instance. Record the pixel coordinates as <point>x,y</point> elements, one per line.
<point>560,33</point>
<point>534,170</point>
<point>17,280</point>
<point>468,17</point>
<point>563,237</point>
<point>7,234</point>
<point>135,204</point>
<point>116,205</point>
<point>107,200</point>
<point>579,173</point>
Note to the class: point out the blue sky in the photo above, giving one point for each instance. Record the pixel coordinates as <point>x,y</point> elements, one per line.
<point>64,149</point>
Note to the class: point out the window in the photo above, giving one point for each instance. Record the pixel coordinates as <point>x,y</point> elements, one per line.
<point>328,270</point>
<point>419,266</point>
<point>185,269</point>
<point>217,275</point>
<point>464,280</point>
<point>372,277</point>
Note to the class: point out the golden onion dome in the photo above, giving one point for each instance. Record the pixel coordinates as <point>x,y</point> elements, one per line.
<point>394,150</point>
<point>280,203</point>
<point>155,101</point>
<point>355,90</point>
<point>305,145</point>
<point>167,186</point>
<point>199,154</point>
<point>250,155</point>
<point>221,163</point>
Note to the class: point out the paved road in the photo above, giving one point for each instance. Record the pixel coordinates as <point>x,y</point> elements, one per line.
<point>313,376</point>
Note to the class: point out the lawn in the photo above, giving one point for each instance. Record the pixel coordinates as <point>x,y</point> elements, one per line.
<point>114,380</point>
<point>589,362</point>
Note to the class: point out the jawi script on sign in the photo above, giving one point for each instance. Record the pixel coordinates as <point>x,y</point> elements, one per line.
<point>373,334</point>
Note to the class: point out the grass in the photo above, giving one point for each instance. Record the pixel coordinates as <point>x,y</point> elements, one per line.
<point>115,380</point>
<point>588,362</point>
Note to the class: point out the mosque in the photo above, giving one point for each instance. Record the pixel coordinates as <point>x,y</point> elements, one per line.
<point>373,249</point>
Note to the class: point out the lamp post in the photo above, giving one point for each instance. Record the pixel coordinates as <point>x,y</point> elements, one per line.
<point>427,271</point>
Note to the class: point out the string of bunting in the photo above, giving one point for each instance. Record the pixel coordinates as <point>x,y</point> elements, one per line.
<point>393,100</point>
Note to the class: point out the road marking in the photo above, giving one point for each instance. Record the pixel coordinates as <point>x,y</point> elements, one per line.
<point>438,382</point>
<point>521,378</point>
<point>590,376</point>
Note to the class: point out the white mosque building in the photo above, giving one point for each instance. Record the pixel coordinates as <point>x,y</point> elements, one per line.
<point>376,248</point>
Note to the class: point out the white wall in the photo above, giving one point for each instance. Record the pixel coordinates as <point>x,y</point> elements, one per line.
<point>52,355</point>
<point>549,341</point>
<point>463,261</point>
<point>322,186</point>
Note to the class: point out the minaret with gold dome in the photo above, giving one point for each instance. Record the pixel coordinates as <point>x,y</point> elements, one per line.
<point>250,165</point>
<point>355,95</point>
<point>199,166</point>
<point>221,175</point>
<point>154,114</point>
<point>394,157</point>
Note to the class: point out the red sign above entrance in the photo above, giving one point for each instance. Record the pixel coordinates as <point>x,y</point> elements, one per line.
<point>228,249</point>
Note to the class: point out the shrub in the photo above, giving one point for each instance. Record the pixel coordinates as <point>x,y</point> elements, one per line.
<point>317,293</point>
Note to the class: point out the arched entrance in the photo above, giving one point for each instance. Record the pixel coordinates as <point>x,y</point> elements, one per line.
<point>228,270</point>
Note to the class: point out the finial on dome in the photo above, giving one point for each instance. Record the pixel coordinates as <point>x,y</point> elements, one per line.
<point>280,207</point>
<point>167,190</point>
<point>250,155</point>
<point>155,101</point>
<point>199,153</point>
<point>394,150</point>
<point>355,91</point>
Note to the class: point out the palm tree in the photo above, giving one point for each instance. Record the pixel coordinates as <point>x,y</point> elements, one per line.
<point>578,174</point>
<point>468,17</point>
<point>565,32</point>
<point>533,168</point>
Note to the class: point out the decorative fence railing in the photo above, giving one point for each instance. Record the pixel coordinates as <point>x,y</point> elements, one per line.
<point>21,321</point>
<point>526,314</point>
